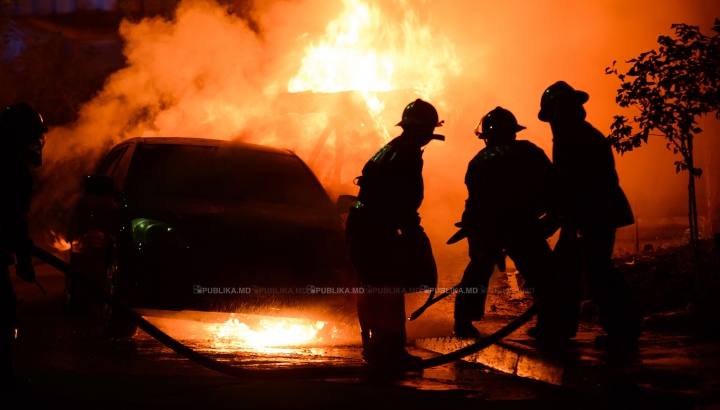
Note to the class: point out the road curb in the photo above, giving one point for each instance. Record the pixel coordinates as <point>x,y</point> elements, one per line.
<point>522,361</point>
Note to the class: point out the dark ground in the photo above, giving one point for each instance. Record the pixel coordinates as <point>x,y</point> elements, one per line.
<point>72,366</point>
<point>668,280</point>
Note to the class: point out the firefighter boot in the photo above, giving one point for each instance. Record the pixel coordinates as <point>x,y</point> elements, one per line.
<point>367,345</point>
<point>465,330</point>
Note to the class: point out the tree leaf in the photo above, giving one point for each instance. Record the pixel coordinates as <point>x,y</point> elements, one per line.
<point>671,86</point>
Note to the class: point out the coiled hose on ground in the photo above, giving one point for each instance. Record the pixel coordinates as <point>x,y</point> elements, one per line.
<point>285,373</point>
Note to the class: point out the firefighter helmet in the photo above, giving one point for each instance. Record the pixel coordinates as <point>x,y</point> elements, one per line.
<point>420,112</point>
<point>22,119</point>
<point>22,128</point>
<point>497,121</point>
<point>560,91</point>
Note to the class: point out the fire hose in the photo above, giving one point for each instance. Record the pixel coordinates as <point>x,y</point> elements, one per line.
<point>431,300</point>
<point>285,373</point>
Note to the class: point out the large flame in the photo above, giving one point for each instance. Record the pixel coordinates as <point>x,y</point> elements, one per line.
<point>295,332</point>
<point>367,50</point>
<point>270,332</point>
<point>346,59</point>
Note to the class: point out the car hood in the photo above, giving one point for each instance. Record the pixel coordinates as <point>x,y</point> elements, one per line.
<point>270,230</point>
<point>183,210</point>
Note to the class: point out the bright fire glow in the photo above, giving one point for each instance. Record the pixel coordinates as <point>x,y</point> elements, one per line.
<point>59,242</point>
<point>365,49</point>
<point>368,50</point>
<point>270,332</point>
<point>346,59</point>
<point>292,332</point>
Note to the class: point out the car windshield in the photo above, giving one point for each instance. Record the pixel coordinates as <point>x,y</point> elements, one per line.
<point>189,171</point>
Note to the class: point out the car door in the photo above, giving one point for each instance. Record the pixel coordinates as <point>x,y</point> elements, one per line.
<point>93,218</point>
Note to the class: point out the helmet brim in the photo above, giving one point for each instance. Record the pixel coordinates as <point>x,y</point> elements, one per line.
<point>412,121</point>
<point>576,96</point>
<point>486,135</point>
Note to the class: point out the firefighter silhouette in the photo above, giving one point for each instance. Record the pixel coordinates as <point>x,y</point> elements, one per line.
<point>591,207</point>
<point>510,186</point>
<point>21,142</point>
<point>388,247</point>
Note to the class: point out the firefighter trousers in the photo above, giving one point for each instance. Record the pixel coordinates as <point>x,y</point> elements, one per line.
<point>381,308</point>
<point>591,253</point>
<point>532,257</point>
<point>8,322</point>
<point>382,322</point>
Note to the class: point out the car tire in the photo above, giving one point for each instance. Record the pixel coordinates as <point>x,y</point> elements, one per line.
<point>114,325</point>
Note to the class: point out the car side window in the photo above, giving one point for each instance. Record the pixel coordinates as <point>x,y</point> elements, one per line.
<point>119,169</point>
<point>110,162</point>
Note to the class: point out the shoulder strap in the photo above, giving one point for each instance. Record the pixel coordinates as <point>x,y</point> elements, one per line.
<point>372,167</point>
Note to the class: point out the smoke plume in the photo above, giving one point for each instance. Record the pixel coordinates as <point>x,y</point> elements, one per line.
<point>211,74</point>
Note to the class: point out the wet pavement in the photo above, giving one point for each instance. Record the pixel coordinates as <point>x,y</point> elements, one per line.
<point>72,365</point>
<point>664,364</point>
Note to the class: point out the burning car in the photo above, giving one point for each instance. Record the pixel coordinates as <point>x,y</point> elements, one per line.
<point>181,223</point>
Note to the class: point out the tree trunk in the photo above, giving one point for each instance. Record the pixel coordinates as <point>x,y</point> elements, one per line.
<point>692,200</point>
<point>699,279</point>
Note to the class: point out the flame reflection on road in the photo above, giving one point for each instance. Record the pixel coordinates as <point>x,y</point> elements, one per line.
<point>238,333</point>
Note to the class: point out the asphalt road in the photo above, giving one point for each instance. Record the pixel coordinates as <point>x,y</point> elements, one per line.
<point>72,365</point>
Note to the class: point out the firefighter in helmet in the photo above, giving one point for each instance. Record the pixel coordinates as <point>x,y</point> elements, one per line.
<point>381,222</point>
<point>21,142</point>
<point>591,207</point>
<point>510,186</point>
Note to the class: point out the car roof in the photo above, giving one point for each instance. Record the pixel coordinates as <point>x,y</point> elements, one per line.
<point>204,142</point>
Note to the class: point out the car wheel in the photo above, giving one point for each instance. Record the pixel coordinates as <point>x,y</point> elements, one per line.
<point>114,326</point>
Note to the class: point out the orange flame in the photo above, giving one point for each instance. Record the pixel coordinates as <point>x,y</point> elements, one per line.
<point>59,242</point>
<point>366,50</point>
<point>235,332</point>
<point>346,59</point>
<point>271,332</point>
